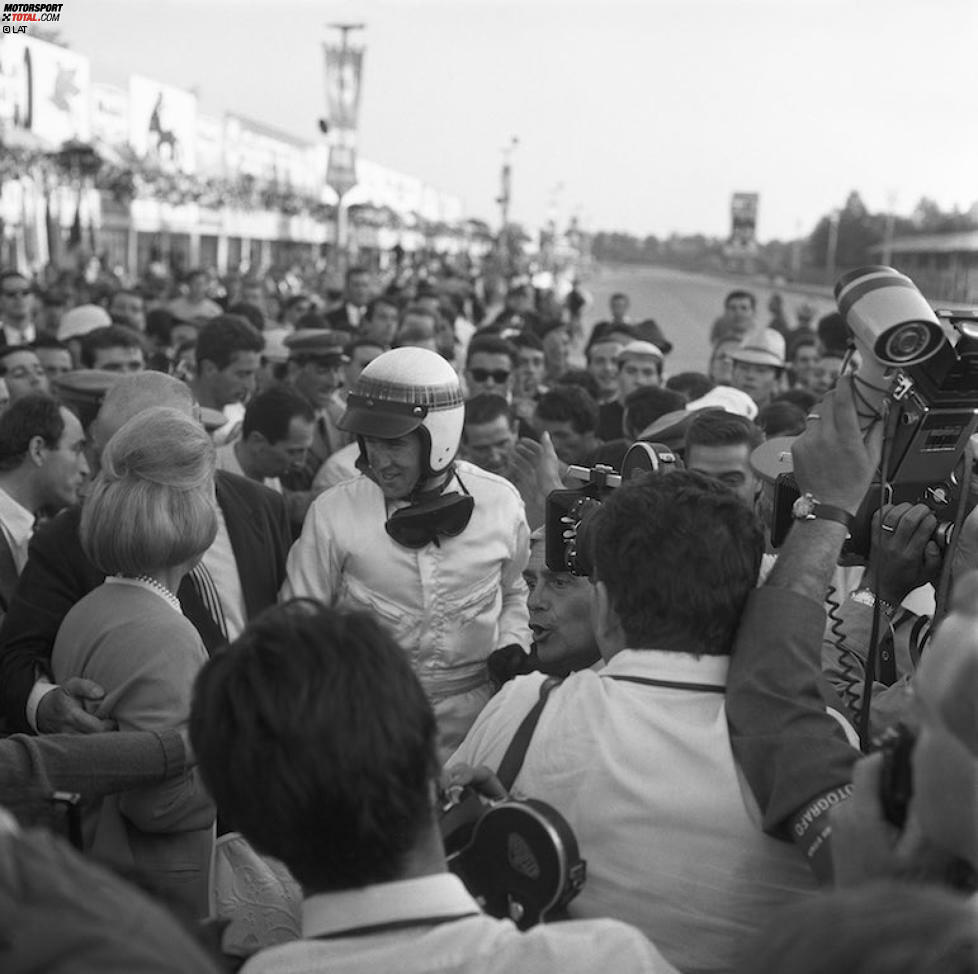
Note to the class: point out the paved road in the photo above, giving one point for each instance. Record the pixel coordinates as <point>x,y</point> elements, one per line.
<point>684,305</point>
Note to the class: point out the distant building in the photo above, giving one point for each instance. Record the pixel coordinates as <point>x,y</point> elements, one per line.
<point>943,265</point>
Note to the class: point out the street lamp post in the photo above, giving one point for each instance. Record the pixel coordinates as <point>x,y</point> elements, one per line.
<point>343,66</point>
<point>505,195</point>
<point>832,246</point>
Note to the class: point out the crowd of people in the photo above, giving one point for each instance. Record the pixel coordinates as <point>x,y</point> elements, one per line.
<point>277,579</point>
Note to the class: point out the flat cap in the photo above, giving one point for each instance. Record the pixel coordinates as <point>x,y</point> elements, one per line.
<point>316,343</point>
<point>84,386</point>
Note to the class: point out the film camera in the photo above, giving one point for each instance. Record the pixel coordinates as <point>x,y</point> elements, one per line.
<point>919,373</point>
<point>569,512</point>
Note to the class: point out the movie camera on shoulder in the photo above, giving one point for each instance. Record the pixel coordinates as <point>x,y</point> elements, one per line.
<point>569,512</point>
<point>918,374</point>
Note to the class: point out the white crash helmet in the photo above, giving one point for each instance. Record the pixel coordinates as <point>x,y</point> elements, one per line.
<point>404,390</point>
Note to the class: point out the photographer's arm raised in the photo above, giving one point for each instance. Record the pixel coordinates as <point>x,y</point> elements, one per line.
<point>792,751</point>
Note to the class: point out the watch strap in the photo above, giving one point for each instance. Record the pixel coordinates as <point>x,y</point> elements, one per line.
<point>828,512</point>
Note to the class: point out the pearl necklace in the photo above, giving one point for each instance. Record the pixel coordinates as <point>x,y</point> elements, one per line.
<point>161,588</point>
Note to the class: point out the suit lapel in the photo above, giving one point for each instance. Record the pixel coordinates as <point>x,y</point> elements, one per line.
<point>246,543</point>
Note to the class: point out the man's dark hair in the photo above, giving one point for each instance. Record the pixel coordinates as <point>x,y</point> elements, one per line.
<point>223,337</point>
<point>271,412</point>
<point>486,408</point>
<point>159,325</point>
<point>490,345</point>
<point>111,336</point>
<point>419,311</point>
<point>360,342</point>
<point>780,419</point>
<point>692,385</point>
<point>734,295</point>
<point>799,397</point>
<point>250,312</point>
<point>569,404</point>
<point>714,427</point>
<point>10,273</point>
<point>49,341</point>
<point>288,304</point>
<point>583,380</point>
<point>833,333</point>
<point>314,737</point>
<point>679,553</point>
<point>356,269</point>
<point>130,291</point>
<point>807,340</point>
<point>644,405</point>
<point>33,415</point>
<point>527,339</point>
<point>381,299</point>
<point>192,273</point>
<point>7,350</point>
<point>618,296</point>
<point>604,332</point>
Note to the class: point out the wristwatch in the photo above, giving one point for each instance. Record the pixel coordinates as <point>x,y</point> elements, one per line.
<point>807,508</point>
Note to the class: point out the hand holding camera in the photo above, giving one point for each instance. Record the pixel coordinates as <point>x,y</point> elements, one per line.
<point>907,556</point>
<point>832,460</point>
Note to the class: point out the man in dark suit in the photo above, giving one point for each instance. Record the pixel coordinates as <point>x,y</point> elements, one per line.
<point>356,295</point>
<point>239,576</point>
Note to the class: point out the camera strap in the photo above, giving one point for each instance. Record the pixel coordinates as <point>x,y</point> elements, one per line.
<point>515,754</point>
<point>672,684</point>
<point>390,925</point>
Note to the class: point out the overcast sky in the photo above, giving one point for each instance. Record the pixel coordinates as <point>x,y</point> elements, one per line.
<point>642,116</point>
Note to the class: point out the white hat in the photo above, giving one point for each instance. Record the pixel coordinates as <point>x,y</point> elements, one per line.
<point>728,399</point>
<point>81,320</point>
<point>639,348</point>
<point>765,346</point>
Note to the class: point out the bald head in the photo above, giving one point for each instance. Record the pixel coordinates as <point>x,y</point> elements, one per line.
<point>133,394</point>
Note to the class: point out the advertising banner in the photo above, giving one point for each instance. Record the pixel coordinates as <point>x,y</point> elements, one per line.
<point>163,124</point>
<point>743,219</point>
<point>44,91</point>
<point>343,71</point>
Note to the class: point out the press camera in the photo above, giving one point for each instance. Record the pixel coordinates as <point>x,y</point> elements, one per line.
<point>918,373</point>
<point>569,512</point>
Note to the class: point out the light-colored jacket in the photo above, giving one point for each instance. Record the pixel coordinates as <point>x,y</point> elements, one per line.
<point>449,605</point>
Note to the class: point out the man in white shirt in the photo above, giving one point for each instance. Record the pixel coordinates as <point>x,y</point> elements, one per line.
<point>637,757</point>
<point>434,547</point>
<point>42,466</point>
<point>320,709</point>
<point>228,357</point>
<point>276,434</point>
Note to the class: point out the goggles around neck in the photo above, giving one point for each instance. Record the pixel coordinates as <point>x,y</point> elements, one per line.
<point>424,522</point>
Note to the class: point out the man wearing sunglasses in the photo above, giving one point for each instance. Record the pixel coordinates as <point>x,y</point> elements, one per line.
<point>432,546</point>
<point>16,309</point>
<point>489,367</point>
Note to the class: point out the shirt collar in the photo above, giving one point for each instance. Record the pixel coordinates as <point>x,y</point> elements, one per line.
<point>16,518</point>
<point>659,664</point>
<point>439,895</point>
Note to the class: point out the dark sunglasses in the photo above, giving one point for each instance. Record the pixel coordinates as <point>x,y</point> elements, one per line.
<point>499,376</point>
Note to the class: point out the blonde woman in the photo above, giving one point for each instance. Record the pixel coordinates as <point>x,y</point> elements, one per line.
<point>146,522</point>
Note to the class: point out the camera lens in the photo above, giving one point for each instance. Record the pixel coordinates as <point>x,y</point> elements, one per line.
<point>907,342</point>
